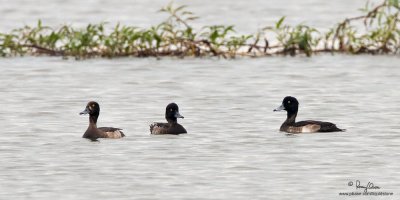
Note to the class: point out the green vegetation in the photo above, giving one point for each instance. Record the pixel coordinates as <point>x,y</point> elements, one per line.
<point>176,37</point>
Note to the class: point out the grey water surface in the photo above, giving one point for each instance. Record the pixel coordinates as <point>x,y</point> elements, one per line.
<point>233,149</point>
<point>247,16</point>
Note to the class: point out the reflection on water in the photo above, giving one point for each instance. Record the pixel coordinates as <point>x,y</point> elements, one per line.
<point>233,149</point>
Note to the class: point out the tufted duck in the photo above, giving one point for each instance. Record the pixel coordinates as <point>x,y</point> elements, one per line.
<point>291,105</point>
<point>92,132</point>
<point>172,127</point>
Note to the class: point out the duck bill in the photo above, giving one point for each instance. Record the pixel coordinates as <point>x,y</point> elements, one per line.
<point>178,115</point>
<point>84,112</point>
<point>280,108</point>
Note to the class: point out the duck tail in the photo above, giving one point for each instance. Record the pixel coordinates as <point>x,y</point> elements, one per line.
<point>341,130</point>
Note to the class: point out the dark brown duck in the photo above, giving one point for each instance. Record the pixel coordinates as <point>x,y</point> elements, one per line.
<point>92,132</point>
<point>172,127</point>
<point>291,105</point>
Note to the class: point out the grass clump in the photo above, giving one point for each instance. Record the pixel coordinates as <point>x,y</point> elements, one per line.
<point>176,37</point>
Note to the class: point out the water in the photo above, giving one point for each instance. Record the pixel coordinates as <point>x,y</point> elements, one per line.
<point>247,16</point>
<point>234,149</point>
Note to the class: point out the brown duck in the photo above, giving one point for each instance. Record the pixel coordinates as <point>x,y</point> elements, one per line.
<point>92,132</point>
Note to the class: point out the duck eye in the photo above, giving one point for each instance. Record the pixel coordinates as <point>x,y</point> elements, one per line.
<point>288,102</point>
<point>171,109</point>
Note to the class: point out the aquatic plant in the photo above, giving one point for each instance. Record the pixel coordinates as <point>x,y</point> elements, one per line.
<point>293,40</point>
<point>176,37</point>
<point>381,34</point>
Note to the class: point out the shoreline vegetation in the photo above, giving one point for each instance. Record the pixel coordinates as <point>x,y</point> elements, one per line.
<point>175,37</point>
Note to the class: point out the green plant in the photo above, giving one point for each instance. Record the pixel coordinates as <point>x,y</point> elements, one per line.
<point>177,37</point>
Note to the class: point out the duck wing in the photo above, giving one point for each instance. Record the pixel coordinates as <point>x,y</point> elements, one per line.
<point>159,128</point>
<point>322,126</point>
<point>111,132</point>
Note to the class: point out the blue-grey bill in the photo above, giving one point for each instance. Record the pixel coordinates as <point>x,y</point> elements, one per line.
<point>177,115</point>
<point>279,108</point>
<point>84,112</point>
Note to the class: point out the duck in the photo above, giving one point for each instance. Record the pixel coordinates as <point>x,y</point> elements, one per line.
<point>171,127</point>
<point>93,132</point>
<point>291,105</point>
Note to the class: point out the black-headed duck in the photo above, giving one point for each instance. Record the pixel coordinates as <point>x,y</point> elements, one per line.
<point>172,127</point>
<point>92,132</point>
<point>291,105</point>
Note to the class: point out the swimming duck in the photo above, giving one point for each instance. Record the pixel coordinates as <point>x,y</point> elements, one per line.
<point>172,127</point>
<point>92,132</point>
<point>291,105</point>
